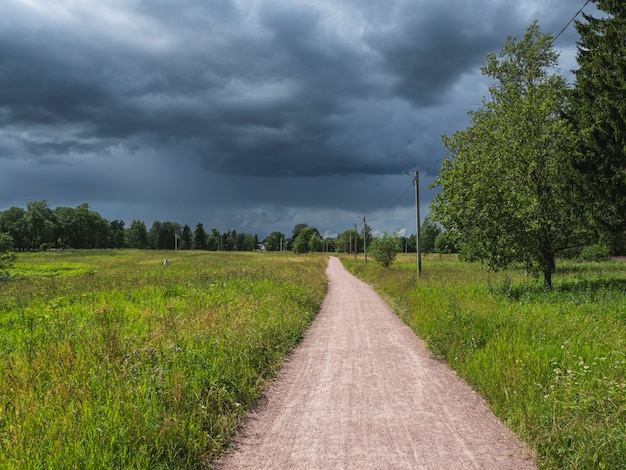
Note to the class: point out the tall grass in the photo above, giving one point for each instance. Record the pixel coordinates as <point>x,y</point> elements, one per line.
<point>552,364</point>
<point>111,360</point>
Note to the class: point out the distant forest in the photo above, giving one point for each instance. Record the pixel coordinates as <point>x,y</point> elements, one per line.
<point>40,227</point>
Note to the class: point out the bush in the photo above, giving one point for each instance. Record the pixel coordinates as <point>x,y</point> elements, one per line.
<point>598,252</point>
<point>7,257</point>
<point>384,249</point>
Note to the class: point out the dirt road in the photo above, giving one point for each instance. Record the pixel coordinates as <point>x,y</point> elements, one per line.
<point>362,392</point>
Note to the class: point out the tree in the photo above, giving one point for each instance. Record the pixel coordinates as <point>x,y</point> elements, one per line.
<point>384,249</point>
<point>315,243</point>
<point>506,187</point>
<point>81,228</point>
<point>116,234</point>
<point>429,231</point>
<point>302,242</point>
<point>186,238</point>
<point>40,225</point>
<point>275,241</point>
<point>446,243</point>
<point>599,114</point>
<point>169,232</point>
<point>13,222</point>
<point>246,242</point>
<point>162,235</point>
<point>213,240</point>
<point>348,242</point>
<point>297,229</point>
<point>199,238</point>
<point>7,257</point>
<point>137,235</point>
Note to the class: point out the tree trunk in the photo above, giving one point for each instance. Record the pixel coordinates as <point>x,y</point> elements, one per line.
<point>547,278</point>
<point>549,267</point>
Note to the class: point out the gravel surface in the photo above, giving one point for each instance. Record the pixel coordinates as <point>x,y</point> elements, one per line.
<point>362,392</point>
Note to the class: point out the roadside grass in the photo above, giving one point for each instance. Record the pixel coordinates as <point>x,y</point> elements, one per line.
<point>552,364</point>
<point>108,359</point>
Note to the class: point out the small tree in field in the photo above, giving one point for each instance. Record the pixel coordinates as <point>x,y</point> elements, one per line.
<point>384,249</point>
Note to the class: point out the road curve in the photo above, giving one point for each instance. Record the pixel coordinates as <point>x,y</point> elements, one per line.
<point>362,392</point>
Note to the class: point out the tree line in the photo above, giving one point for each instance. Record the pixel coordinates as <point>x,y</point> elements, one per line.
<point>40,227</point>
<point>542,168</point>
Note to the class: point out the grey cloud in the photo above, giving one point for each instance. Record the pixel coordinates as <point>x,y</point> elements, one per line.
<point>166,106</point>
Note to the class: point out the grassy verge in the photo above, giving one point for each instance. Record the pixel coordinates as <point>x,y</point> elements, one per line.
<point>552,364</point>
<point>111,360</point>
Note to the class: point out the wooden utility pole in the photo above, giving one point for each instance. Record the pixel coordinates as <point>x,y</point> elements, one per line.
<point>417,222</point>
<point>364,242</point>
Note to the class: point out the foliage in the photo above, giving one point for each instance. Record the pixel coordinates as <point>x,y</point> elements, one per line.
<point>307,240</point>
<point>429,231</point>
<point>349,241</point>
<point>7,257</point>
<point>137,235</point>
<point>162,235</point>
<point>506,190</point>
<point>116,234</point>
<point>384,249</point>
<point>116,361</point>
<point>275,242</point>
<point>598,252</point>
<point>13,222</point>
<point>199,238</point>
<point>446,243</point>
<point>186,238</point>
<point>551,363</point>
<point>79,228</point>
<point>40,227</point>
<point>599,114</point>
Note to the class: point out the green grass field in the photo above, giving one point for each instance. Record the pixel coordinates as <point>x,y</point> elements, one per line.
<point>552,364</point>
<point>111,360</point>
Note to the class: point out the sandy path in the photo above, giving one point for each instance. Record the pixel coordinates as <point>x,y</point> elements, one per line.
<point>362,392</point>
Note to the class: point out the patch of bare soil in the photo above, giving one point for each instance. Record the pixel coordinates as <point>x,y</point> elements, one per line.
<point>362,392</point>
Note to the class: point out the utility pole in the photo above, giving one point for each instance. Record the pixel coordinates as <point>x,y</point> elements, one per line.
<point>350,234</point>
<point>417,222</point>
<point>364,242</point>
<point>356,237</point>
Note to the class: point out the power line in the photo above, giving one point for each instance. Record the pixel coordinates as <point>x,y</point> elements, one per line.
<point>394,204</point>
<point>570,21</point>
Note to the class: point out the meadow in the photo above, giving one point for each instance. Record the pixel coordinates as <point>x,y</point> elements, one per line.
<point>108,359</point>
<point>551,364</point>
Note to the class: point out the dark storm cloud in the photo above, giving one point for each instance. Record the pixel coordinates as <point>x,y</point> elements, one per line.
<point>153,104</point>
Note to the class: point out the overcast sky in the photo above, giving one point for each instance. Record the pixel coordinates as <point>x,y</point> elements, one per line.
<point>252,115</point>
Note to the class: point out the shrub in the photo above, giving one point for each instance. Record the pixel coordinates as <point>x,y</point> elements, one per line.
<point>7,257</point>
<point>384,249</point>
<point>598,252</point>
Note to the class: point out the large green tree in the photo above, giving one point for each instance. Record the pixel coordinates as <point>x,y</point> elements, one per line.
<point>599,113</point>
<point>506,187</point>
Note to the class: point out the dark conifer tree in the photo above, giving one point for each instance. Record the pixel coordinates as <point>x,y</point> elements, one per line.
<point>599,113</point>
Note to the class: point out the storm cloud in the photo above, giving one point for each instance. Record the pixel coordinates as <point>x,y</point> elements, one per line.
<point>246,114</point>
